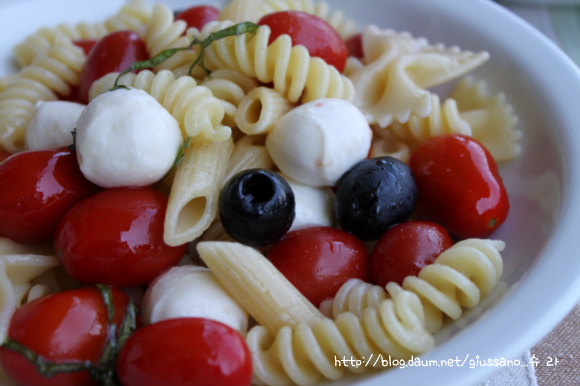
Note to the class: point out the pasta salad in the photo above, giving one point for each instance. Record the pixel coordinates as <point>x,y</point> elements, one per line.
<point>241,195</point>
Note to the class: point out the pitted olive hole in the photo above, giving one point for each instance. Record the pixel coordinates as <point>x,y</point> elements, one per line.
<point>259,188</point>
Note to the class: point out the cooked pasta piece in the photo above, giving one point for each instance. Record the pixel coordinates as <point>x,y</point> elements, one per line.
<point>11,247</point>
<point>198,112</point>
<point>230,87</point>
<point>238,11</point>
<point>406,81</point>
<point>16,272</point>
<point>249,153</point>
<point>130,17</point>
<point>162,32</point>
<point>193,200</point>
<point>258,286</point>
<point>471,267</point>
<point>492,119</point>
<point>37,291</point>
<point>305,355</point>
<point>459,277</point>
<point>293,72</point>
<point>260,110</point>
<point>244,82</point>
<point>443,119</point>
<point>352,65</point>
<point>7,80</point>
<point>369,321</point>
<point>354,296</point>
<point>398,69</point>
<point>48,77</point>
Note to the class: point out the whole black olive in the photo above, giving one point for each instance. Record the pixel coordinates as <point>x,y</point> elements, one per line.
<point>257,207</point>
<point>374,195</point>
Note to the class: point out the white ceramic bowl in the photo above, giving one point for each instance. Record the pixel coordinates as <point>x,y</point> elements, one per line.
<point>542,262</point>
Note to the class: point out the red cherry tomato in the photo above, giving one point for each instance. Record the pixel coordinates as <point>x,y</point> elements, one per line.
<point>406,248</point>
<point>116,237</point>
<point>66,326</point>
<point>86,45</point>
<point>113,53</point>
<point>312,32</point>
<point>183,352</point>
<point>354,46</point>
<point>319,260</point>
<point>198,16</point>
<point>459,185</point>
<point>37,188</point>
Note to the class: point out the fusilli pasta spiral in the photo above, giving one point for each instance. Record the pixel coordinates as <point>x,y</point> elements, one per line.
<point>459,277</point>
<point>370,321</point>
<point>131,16</point>
<point>306,354</point>
<point>161,30</point>
<point>230,87</point>
<point>199,113</point>
<point>48,77</point>
<point>292,70</point>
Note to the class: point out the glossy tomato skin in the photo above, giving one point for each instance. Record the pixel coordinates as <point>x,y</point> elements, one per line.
<point>306,29</point>
<point>183,352</point>
<point>66,326</point>
<point>198,16</point>
<point>115,237</point>
<point>406,248</point>
<point>37,188</point>
<point>113,53</point>
<point>319,260</point>
<point>459,185</point>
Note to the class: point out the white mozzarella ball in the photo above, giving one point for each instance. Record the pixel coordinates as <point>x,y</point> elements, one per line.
<point>52,124</point>
<point>314,205</point>
<point>126,138</point>
<point>317,142</point>
<point>192,291</point>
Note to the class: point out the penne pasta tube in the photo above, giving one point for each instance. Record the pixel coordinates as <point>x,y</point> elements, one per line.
<point>257,285</point>
<point>193,200</point>
<point>260,109</point>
